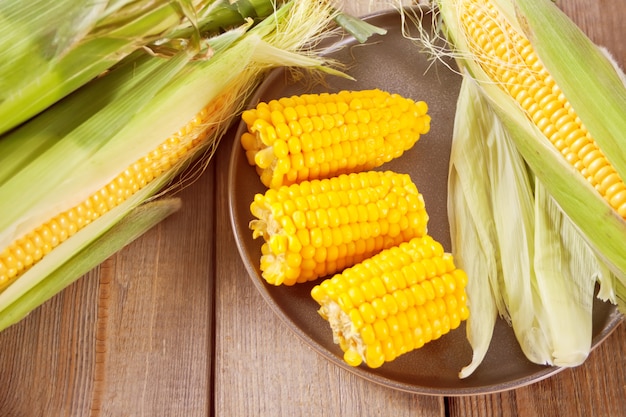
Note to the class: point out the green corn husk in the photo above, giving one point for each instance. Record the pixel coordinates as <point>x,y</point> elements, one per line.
<point>566,238</point>
<point>583,64</point>
<point>81,143</point>
<point>129,228</point>
<point>49,49</point>
<point>525,259</point>
<point>471,218</point>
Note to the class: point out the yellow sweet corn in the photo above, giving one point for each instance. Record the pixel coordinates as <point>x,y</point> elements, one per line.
<point>393,302</point>
<point>318,227</point>
<point>33,246</point>
<point>530,61</point>
<point>509,59</point>
<point>321,135</point>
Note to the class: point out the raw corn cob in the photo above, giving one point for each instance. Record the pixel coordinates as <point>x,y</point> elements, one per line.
<point>393,302</point>
<point>30,248</point>
<point>318,227</point>
<point>510,60</point>
<point>532,74</point>
<point>321,135</point>
<point>541,114</point>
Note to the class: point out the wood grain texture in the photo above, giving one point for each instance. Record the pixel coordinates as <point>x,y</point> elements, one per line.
<point>131,338</point>
<point>173,326</point>
<point>596,388</point>
<point>156,325</point>
<point>47,359</point>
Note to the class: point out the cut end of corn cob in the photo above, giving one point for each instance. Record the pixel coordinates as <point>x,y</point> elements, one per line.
<point>508,58</point>
<point>315,136</point>
<point>393,302</point>
<point>316,228</point>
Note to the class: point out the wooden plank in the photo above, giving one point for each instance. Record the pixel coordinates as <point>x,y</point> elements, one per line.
<point>156,317</point>
<point>46,365</point>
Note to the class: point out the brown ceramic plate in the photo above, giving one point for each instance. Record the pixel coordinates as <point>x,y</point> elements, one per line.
<point>392,63</point>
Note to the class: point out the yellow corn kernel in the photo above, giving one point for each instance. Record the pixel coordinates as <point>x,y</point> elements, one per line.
<point>25,251</point>
<point>388,326</point>
<point>507,56</point>
<point>303,219</point>
<point>346,132</point>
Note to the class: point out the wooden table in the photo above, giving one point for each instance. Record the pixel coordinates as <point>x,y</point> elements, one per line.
<point>173,326</point>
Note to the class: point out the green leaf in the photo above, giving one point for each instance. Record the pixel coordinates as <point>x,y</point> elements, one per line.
<point>589,80</point>
<point>136,223</point>
<point>360,29</point>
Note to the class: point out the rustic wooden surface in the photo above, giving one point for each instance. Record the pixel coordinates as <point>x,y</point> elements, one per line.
<point>173,326</point>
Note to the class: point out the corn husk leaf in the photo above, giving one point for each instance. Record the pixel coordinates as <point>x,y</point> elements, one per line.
<point>136,223</point>
<point>360,29</point>
<point>472,229</point>
<point>498,174</point>
<point>50,49</point>
<point>525,260</point>
<point>567,270</point>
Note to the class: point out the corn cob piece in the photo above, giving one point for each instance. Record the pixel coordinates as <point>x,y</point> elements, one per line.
<point>316,228</point>
<point>321,135</point>
<point>394,302</point>
<point>508,58</point>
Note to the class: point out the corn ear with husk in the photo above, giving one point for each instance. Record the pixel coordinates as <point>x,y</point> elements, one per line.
<point>554,52</point>
<point>116,142</point>
<point>524,64</point>
<point>49,49</point>
<point>137,222</point>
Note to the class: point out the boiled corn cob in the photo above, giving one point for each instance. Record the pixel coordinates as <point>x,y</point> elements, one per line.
<point>393,302</point>
<point>316,228</point>
<point>321,135</point>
